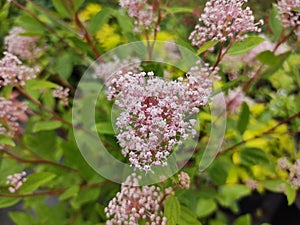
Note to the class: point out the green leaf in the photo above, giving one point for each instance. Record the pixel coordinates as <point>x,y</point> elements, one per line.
<point>187,217</point>
<point>34,181</point>
<point>206,46</point>
<point>7,141</point>
<point>101,18</point>
<point>218,171</point>
<point>240,48</point>
<point>85,196</point>
<point>70,192</point>
<point>64,65</point>
<point>275,67</point>
<point>172,210</point>
<point>4,11</point>
<point>22,218</point>
<point>46,125</point>
<point>295,10</point>
<point>228,194</point>
<point>205,207</point>
<point>175,10</point>
<point>274,22</point>
<point>290,193</point>
<point>39,84</point>
<point>253,156</point>
<point>105,128</point>
<point>63,8</point>
<point>274,185</point>
<point>243,121</point>
<point>77,4</point>
<point>230,84</point>
<point>8,201</point>
<point>126,25</point>
<point>243,220</point>
<point>267,58</point>
<point>124,21</point>
<point>42,143</point>
<point>31,25</point>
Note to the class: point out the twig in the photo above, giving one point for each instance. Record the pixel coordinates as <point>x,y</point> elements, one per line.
<point>269,131</point>
<point>53,192</point>
<point>38,161</point>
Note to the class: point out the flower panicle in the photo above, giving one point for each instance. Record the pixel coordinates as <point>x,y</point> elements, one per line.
<point>223,20</point>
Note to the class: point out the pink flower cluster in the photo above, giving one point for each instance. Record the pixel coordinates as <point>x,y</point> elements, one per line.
<point>223,20</point>
<point>184,180</point>
<point>154,113</point>
<point>235,99</point>
<point>142,12</point>
<point>62,94</point>
<point>290,17</point>
<point>16,181</point>
<point>25,47</point>
<point>10,114</point>
<point>106,70</point>
<point>292,169</point>
<point>12,72</point>
<point>252,184</point>
<point>134,204</point>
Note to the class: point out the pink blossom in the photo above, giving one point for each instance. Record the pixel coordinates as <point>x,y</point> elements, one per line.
<point>25,47</point>
<point>292,169</point>
<point>134,204</point>
<point>283,163</point>
<point>106,70</point>
<point>142,12</point>
<point>294,175</point>
<point>62,94</point>
<point>16,181</point>
<point>223,20</point>
<point>184,180</point>
<point>252,184</point>
<point>289,16</point>
<point>10,113</point>
<point>12,72</point>
<point>154,113</point>
<point>235,99</point>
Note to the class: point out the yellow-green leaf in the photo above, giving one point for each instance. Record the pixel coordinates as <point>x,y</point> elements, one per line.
<point>206,46</point>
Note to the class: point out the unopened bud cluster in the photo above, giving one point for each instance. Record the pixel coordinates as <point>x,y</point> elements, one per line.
<point>62,94</point>
<point>292,169</point>
<point>16,181</point>
<point>184,180</point>
<point>10,113</point>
